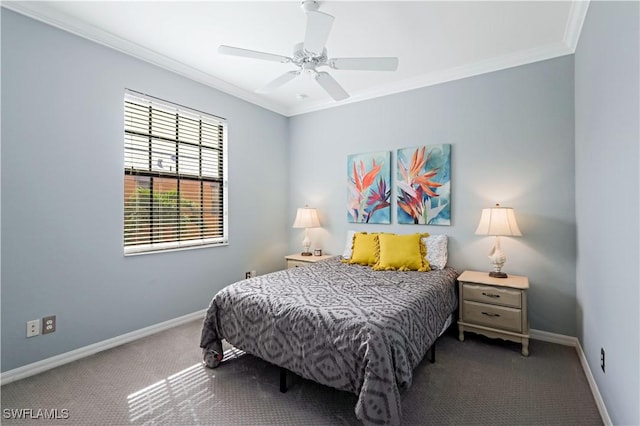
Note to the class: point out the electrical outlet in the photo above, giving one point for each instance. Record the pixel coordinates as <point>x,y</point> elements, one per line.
<point>602,359</point>
<point>48,324</point>
<point>33,328</point>
<point>253,274</point>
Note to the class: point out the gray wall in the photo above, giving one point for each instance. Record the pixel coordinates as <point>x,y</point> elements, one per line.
<point>607,202</point>
<point>512,136</point>
<point>62,195</point>
<point>512,142</point>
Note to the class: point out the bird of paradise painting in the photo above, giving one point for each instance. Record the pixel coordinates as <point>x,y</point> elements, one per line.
<point>369,187</point>
<point>424,185</point>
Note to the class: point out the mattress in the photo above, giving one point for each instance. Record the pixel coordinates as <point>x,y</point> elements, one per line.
<point>344,326</point>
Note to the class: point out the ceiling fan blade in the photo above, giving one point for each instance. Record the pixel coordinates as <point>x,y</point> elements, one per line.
<point>366,64</point>
<point>236,51</point>
<point>332,87</point>
<point>284,78</point>
<point>318,28</point>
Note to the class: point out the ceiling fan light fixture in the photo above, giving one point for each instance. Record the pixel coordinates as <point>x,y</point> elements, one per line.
<point>312,54</point>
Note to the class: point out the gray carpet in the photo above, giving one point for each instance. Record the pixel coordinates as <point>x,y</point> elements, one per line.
<point>160,380</point>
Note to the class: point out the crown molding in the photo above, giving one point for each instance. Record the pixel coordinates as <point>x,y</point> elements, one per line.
<point>457,73</point>
<point>577,15</point>
<point>39,11</point>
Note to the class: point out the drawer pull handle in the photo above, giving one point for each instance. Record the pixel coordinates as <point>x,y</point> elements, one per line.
<point>489,314</point>
<point>490,295</point>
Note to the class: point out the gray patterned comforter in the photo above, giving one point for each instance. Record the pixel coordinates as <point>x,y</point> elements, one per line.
<point>344,326</point>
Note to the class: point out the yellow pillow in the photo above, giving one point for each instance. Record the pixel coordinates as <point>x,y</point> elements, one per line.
<point>401,253</point>
<point>364,249</point>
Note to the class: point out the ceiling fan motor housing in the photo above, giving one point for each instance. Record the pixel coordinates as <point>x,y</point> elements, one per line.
<point>312,54</point>
<point>310,5</point>
<point>305,59</point>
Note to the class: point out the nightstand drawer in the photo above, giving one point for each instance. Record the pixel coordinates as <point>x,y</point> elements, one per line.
<point>493,295</point>
<point>492,316</point>
<point>296,263</point>
<point>296,260</point>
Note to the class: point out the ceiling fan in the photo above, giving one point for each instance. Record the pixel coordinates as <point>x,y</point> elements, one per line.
<point>311,54</point>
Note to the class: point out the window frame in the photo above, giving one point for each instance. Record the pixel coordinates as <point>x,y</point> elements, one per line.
<point>219,178</point>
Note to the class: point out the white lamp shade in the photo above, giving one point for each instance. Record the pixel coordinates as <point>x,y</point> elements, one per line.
<point>306,217</point>
<point>498,221</point>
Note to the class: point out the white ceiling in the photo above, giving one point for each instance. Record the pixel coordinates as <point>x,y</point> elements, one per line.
<point>435,41</point>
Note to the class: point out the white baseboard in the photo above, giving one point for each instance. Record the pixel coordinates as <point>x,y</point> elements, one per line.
<point>65,358</point>
<point>76,354</point>
<point>594,387</point>
<point>561,339</point>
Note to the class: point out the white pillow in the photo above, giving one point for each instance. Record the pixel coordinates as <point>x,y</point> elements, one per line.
<point>348,247</point>
<point>436,250</point>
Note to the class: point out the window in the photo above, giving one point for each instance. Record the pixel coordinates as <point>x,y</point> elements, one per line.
<point>175,176</point>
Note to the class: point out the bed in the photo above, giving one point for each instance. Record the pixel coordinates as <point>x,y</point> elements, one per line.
<point>342,325</point>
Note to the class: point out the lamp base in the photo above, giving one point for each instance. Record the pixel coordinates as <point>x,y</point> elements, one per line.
<point>306,253</point>
<point>495,274</point>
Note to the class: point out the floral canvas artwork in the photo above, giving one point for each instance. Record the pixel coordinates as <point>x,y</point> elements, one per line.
<point>369,187</point>
<point>424,185</point>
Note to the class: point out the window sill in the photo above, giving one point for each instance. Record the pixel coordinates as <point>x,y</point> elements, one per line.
<point>169,247</point>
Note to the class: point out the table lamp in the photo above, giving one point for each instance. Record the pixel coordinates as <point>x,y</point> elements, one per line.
<point>498,221</point>
<point>306,218</point>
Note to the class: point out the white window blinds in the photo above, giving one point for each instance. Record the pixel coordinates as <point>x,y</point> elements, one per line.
<point>175,176</point>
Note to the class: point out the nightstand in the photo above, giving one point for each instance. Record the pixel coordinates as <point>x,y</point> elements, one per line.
<point>494,307</point>
<point>295,260</point>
